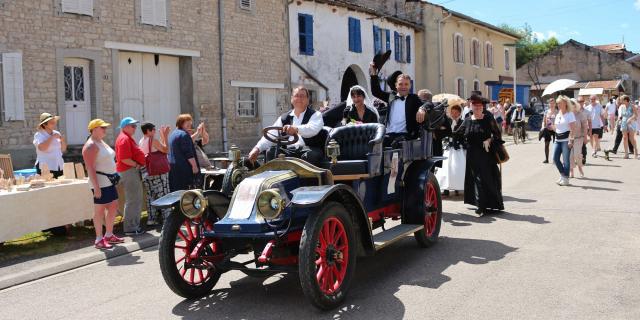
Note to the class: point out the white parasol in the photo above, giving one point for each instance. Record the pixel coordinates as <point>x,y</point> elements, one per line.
<point>558,85</point>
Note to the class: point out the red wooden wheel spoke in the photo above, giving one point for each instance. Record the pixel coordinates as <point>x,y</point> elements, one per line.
<point>181,247</point>
<point>183,272</point>
<point>201,275</point>
<point>187,224</point>
<point>181,259</point>
<point>182,236</point>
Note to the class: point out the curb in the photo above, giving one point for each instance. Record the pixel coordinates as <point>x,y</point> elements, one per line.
<point>52,268</point>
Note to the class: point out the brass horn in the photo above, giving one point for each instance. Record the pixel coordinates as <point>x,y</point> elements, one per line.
<point>193,203</point>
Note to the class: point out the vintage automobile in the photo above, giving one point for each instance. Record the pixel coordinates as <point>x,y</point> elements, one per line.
<point>296,217</point>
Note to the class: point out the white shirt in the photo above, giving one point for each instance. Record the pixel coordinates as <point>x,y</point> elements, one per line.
<point>596,115</point>
<point>611,108</point>
<point>105,162</point>
<point>515,113</point>
<point>52,156</point>
<point>563,121</point>
<point>397,117</point>
<point>304,130</point>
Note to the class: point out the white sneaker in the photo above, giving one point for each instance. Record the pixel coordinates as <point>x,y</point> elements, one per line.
<point>564,182</point>
<point>559,180</point>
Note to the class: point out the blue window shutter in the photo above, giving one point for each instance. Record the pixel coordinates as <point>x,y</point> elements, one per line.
<point>358,37</point>
<point>388,33</point>
<point>353,34</point>
<point>408,49</point>
<point>396,45</point>
<point>377,43</point>
<point>302,38</point>
<point>309,32</point>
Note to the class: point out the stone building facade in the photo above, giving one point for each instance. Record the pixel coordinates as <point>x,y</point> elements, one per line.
<point>583,63</point>
<point>333,42</point>
<point>151,59</point>
<point>458,53</point>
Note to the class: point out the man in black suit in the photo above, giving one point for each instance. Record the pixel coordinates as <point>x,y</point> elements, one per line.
<point>404,112</point>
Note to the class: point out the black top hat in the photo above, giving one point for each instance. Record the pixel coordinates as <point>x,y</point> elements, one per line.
<point>477,96</point>
<point>381,58</point>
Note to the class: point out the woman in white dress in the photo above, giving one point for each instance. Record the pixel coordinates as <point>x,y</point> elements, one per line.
<point>451,175</point>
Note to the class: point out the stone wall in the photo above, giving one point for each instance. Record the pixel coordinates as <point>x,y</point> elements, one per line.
<point>256,49</point>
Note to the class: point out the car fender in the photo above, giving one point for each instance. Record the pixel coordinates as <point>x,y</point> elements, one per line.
<point>414,182</point>
<point>315,196</point>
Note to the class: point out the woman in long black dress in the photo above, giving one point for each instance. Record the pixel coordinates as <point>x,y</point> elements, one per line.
<point>483,183</point>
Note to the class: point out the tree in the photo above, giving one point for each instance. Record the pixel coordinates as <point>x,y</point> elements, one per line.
<point>529,46</point>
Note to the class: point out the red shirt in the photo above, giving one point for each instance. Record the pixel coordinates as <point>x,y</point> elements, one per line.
<point>127,148</point>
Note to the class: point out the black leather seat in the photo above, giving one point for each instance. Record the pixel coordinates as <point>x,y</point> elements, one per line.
<point>358,144</point>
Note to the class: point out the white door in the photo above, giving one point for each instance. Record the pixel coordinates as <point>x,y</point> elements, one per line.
<point>131,101</point>
<point>161,89</point>
<point>77,99</point>
<point>267,103</point>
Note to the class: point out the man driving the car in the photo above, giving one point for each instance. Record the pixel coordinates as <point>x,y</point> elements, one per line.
<point>302,121</point>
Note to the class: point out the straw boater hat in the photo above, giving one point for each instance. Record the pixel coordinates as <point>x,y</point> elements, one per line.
<point>46,117</point>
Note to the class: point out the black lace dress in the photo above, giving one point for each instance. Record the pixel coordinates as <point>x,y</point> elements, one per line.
<point>483,182</point>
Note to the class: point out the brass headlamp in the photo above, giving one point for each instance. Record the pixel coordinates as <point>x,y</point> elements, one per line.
<point>270,204</point>
<point>193,203</point>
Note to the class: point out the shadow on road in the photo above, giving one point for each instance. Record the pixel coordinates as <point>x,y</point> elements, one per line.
<point>514,199</point>
<point>593,188</point>
<point>373,291</point>
<point>603,165</point>
<point>467,219</point>
<point>600,180</point>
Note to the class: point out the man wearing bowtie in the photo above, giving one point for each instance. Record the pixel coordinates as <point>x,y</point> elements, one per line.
<point>404,113</point>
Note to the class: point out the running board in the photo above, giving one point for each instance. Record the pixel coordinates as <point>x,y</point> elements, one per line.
<point>394,234</point>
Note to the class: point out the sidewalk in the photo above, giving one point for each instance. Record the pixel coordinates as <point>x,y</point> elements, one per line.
<point>34,269</point>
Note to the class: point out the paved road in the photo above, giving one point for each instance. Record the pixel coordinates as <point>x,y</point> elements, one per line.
<point>556,253</point>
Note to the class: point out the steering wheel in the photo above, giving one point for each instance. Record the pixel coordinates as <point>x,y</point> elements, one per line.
<point>281,138</point>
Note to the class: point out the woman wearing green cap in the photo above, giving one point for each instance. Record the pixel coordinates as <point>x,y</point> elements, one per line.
<point>49,145</point>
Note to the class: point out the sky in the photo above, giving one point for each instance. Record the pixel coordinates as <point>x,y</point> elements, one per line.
<point>592,22</point>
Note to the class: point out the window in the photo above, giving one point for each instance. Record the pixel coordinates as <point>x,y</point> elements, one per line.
<point>460,87</point>
<point>408,45</point>
<point>247,102</point>
<point>305,30</point>
<point>475,52</point>
<point>153,12</point>
<point>377,40</point>
<point>355,41</point>
<point>506,59</point>
<point>246,5</point>
<point>458,48</point>
<point>476,85</point>
<point>488,55</point>
<point>399,46</point>
<point>12,86</point>
<point>84,7</point>
<point>387,39</point>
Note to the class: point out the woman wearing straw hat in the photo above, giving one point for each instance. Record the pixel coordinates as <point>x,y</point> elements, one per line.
<point>451,175</point>
<point>49,145</point>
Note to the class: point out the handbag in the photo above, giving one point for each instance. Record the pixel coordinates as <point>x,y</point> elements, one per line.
<point>114,178</point>
<point>156,162</point>
<point>500,151</point>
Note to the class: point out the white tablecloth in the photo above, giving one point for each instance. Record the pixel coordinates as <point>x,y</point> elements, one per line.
<point>39,209</point>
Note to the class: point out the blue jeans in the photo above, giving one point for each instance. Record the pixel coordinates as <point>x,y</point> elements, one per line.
<point>562,148</point>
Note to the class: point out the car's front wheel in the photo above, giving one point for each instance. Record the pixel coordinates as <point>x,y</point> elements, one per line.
<point>327,256</point>
<point>189,277</point>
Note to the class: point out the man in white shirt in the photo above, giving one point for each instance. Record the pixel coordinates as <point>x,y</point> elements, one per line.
<point>405,112</point>
<point>303,122</point>
<point>597,123</point>
<point>517,118</point>
<point>611,115</point>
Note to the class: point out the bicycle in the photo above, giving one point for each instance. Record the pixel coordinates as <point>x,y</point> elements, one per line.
<point>518,131</point>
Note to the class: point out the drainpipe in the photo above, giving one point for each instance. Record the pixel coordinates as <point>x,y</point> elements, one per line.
<point>223,118</point>
<point>440,67</point>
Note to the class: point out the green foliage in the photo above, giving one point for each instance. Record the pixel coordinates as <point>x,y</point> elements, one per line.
<point>529,47</point>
